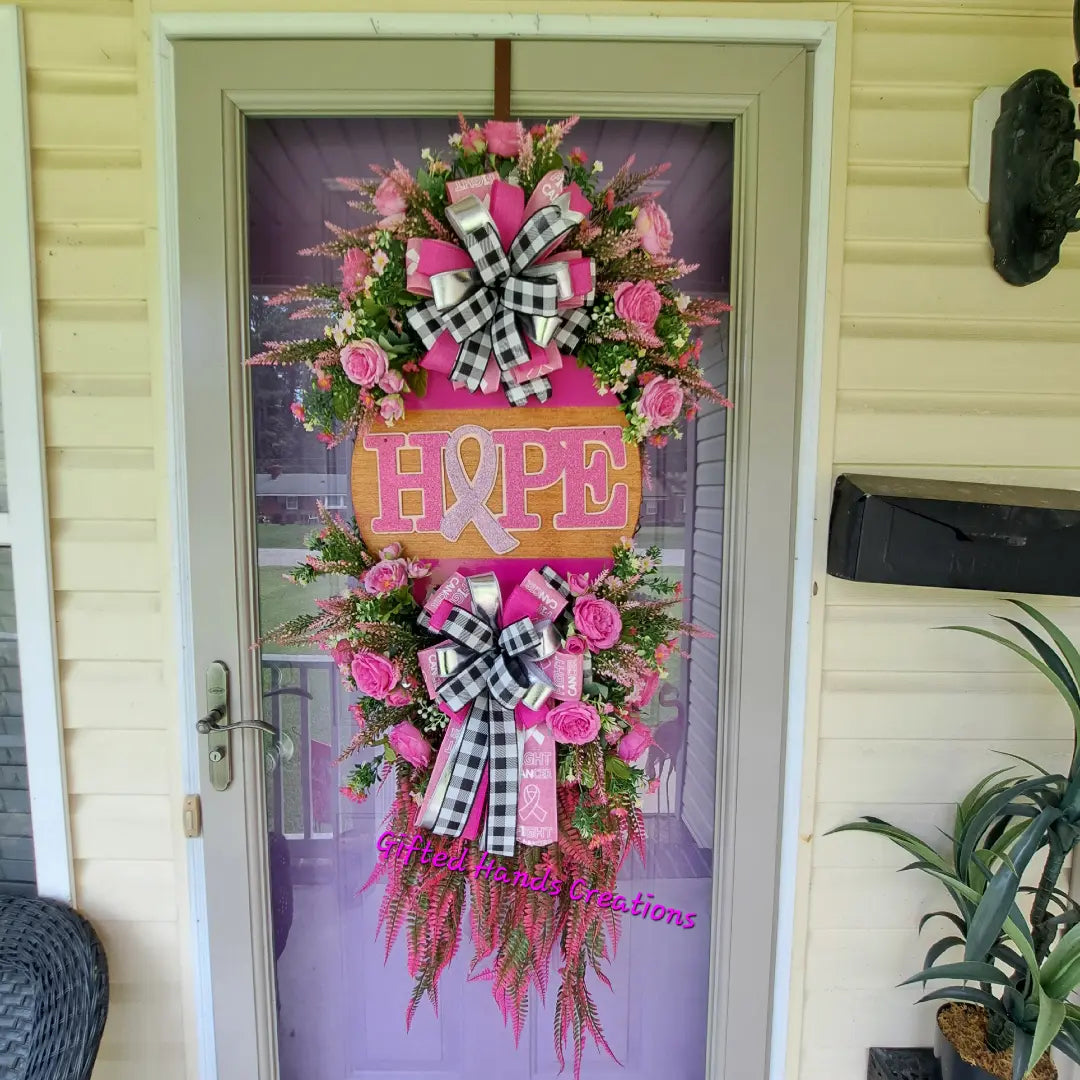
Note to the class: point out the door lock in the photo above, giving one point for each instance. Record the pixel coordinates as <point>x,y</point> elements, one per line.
<point>216,726</point>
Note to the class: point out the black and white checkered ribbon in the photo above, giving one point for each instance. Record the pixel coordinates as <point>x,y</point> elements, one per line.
<point>505,299</point>
<point>490,670</point>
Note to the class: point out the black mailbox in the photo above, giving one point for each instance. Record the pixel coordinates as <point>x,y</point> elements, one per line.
<point>951,535</point>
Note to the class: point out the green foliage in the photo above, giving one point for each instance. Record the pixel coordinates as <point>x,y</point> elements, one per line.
<point>1025,972</point>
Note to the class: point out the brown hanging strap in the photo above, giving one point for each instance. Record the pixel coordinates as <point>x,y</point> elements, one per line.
<point>502,79</point>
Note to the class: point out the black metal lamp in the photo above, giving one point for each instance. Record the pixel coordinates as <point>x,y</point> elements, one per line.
<point>1034,196</point>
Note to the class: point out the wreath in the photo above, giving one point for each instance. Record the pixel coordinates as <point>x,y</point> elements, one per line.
<point>494,268</point>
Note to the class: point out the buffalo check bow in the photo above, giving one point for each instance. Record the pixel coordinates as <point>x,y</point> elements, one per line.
<point>506,299</point>
<point>490,671</point>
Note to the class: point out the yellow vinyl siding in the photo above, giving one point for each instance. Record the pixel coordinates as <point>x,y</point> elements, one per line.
<point>942,370</point>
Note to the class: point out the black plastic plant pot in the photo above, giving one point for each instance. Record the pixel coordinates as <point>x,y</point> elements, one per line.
<point>953,1066</point>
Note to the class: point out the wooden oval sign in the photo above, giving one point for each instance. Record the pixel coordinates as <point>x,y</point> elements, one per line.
<point>498,483</point>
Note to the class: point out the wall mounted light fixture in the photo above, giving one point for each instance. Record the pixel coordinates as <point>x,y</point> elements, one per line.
<point>1034,196</point>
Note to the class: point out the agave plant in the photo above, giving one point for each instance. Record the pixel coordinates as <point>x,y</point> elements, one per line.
<point>1022,972</point>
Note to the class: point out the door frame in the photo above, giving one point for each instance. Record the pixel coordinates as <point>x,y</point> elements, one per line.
<point>819,36</point>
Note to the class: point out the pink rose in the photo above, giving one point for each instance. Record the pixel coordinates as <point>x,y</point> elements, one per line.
<point>391,408</point>
<point>638,303</point>
<point>644,690</point>
<point>575,645</point>
<point>418,569</point>
<point>578,583</point>
<point>392,382</point>
<point>504,137</point>
<point>388,200</point>
<point>661,402</point>
<point>634,743</point>
<point>364,362</point>
<point>398,697</point>
<point>391,551</point>
<point>473,140</point>
<point>374,674</point>
<point>574,722</point>
<point>386,576</point>
<point>354,269</point>
<point>342,653</point>
<point>598,621</point>
<point>408,743</point>
<point>654,228</point>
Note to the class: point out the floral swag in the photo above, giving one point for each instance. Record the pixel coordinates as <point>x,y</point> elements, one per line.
<point>495,268</point>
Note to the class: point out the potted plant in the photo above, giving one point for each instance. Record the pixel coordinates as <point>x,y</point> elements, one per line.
<point>1007,994</point>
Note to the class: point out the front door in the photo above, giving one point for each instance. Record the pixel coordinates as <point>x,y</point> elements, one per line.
<point>300,987</point>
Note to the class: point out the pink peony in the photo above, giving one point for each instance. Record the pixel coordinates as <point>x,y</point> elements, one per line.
<point>578,583</point>
<point>638,304</point>
<point>398,697</point>
<point>654,228</point>
<point>634,743</point>
<point>391,408</point>
<point>386,576</point>
<point>575,645</point>
<point>364,362</point>
<point>392,382</point>
<point>597,621</point>
<point>644,690</point>
<point>388,200</point>
<point>374,674</point>
<point>574,722</point>
<point>354,269</point>
<point>661,402</point>
<point>342,653</point>
<point>504,137</point>
<point>408,743</point>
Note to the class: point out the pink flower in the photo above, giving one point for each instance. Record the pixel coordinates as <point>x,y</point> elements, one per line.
<point>408,743</point>
<point>661,402</point>
<point>578,156</point>
<point>473,140</point>
<point>578,583</point>
<point>355,267</point>
<point>325,438</point>
<point>634,743</point>
<point>323,381</point>
<point>342,653</point>
<point>356,710</point>
<point>663,651</point>
<point>392,382</point>
<point>418,569</point>
<point>391,408</point>
<point>398,697</point>
<point>504,137</point>
<point>574,722</point>
<point>386,576</point>
<point>374,674</point>
<point>357,797</point>
<point>538,131</point>
<point>654,785</point>
<point>644,690</point>
<point>654,228</point>
<point>598,621</point>
<point>575,645</point>
<point>388,200</point>
<point>364,362</point>
<point>297,410</point>
<point>638,303</point>
<point>391,551</point>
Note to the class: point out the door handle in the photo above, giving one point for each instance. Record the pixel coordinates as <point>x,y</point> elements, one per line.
<point>217,726</point>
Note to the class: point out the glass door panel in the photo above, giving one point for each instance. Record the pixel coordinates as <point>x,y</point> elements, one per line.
<point>340,1010</point>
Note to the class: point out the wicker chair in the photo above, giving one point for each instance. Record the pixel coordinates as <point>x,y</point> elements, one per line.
<point>54,991</point>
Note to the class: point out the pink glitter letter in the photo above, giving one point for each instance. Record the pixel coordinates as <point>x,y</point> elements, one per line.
<point>516,481</point>
<point>587,467</point>
<point>392,481</point>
